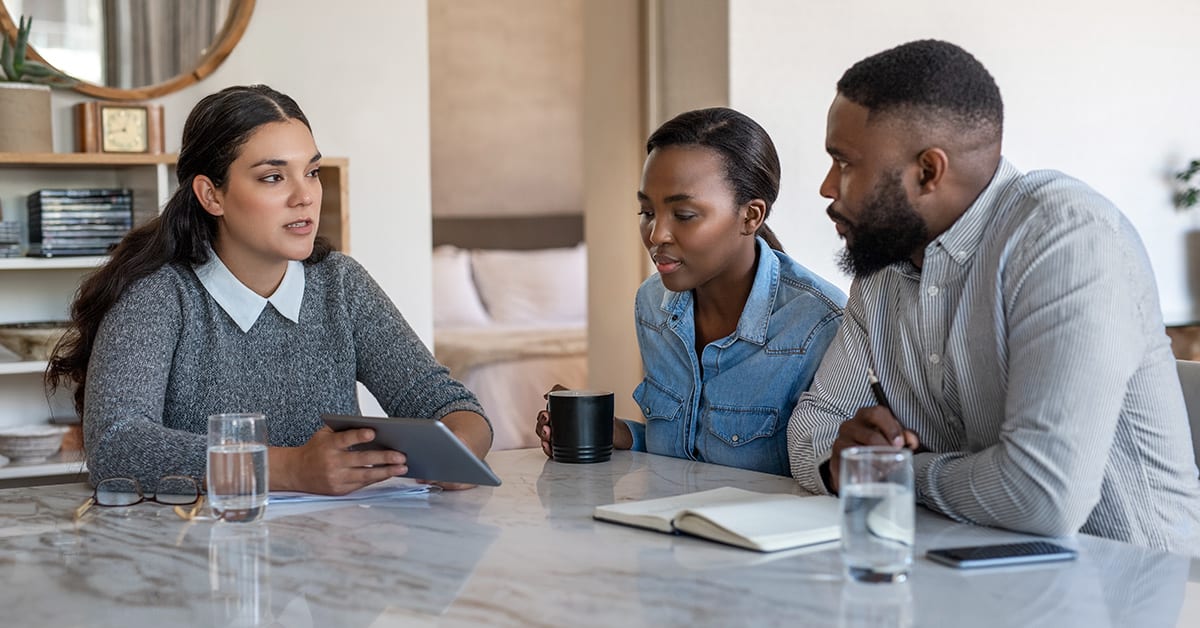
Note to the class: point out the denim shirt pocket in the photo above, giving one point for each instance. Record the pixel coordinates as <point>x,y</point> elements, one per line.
<point>662,409</point>
<point>738,427</point>
<point>747,437</point>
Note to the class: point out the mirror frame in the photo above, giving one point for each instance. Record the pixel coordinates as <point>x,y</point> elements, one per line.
<point>228,37</point>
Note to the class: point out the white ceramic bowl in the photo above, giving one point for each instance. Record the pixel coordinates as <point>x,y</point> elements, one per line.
<point>32,443</point>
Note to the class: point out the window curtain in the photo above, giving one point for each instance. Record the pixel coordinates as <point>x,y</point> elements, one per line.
<point>150,41</point>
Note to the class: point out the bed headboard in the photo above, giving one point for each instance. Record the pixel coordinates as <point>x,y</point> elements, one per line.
<point>517,233</point>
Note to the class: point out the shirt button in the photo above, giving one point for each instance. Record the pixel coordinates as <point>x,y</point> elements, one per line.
<point>934,358</point>
<point>646,410</point>
<point>734,438</point>
<point>932,291</point>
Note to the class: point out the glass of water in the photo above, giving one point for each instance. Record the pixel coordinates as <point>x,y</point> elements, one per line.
<point>876,490</point>
<point>237,466</point>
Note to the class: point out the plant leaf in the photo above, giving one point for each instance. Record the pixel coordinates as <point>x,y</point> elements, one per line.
<point>41,73</point>
<point>6,58</point>
<point>22,43</point>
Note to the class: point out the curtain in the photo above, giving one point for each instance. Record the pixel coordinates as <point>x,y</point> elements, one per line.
<point>150,41</point>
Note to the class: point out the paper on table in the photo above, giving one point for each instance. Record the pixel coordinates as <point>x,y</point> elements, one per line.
<point>394,487</point>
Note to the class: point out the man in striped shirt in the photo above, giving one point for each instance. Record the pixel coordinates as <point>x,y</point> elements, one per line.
<point>1012,319</point>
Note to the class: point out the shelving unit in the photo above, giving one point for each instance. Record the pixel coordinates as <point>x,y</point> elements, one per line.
<point>19,368</point>
<point>41,289</point>
<point>36,263</point>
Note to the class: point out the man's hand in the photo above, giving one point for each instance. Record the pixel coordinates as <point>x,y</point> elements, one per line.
<point>870,426</point>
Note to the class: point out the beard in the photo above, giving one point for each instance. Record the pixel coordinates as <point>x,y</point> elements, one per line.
<point>889,230</point>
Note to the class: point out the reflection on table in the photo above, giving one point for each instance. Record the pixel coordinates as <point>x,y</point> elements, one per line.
<point>528,553</point>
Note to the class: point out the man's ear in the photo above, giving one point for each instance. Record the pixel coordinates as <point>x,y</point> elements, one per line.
<point>932,163</point>
<point>753,215</point>
<point>207,194</point>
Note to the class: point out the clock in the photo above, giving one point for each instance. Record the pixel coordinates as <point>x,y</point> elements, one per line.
<point>124,129</point>
<point>118,128</point>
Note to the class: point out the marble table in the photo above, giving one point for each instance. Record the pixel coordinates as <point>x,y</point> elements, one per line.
<point>528,554</point>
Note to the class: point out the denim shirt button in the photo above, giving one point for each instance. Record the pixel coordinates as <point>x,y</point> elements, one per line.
<point>646,410</point>
<point>734,438</point>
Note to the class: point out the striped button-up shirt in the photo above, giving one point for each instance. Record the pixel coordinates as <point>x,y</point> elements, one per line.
<point>1028,354</point>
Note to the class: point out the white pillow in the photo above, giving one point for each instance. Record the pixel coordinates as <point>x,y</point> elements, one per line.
<point>533,287</point>
<point>455,301</point>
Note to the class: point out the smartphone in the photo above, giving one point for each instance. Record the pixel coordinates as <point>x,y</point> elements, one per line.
<point>998,555</point>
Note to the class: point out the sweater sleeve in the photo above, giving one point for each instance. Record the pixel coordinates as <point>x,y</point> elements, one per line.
<point>392,362</point>
<point>127,376</point>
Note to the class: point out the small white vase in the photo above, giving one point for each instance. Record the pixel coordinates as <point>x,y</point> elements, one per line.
<point>25,120</point>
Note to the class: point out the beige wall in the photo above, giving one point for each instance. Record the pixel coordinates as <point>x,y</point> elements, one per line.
<point>614,131</point>
<point>689,42</point>
<point>1103,90</point>
<point>506,82</point>
<point>360,71</point>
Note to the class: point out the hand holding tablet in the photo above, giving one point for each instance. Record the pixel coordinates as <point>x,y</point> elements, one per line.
<point>434,453</point>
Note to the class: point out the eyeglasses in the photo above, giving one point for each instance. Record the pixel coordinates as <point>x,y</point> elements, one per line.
<point>173,490</point>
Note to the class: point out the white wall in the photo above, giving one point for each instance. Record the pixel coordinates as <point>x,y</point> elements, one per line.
<point>1103,90</point>
<point>360,72</point>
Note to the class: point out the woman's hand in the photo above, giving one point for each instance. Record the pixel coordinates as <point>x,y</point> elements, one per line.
<point>326,465</point>
<point>542,427</point>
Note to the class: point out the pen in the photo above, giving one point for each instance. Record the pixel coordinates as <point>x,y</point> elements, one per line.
<point>877,389</point>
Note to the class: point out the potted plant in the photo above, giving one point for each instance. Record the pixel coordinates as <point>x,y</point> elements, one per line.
<point>25,121</point>
<point>1187,194</point>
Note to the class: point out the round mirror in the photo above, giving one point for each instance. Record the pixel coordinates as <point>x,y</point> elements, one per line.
<point>130,49</point>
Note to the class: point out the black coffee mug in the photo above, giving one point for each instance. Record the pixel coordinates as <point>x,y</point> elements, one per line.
<point>581,425</point>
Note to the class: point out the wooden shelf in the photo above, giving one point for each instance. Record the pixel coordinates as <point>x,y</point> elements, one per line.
<point>76,160</point>
<point>49,263</point>
<point>17,368</point>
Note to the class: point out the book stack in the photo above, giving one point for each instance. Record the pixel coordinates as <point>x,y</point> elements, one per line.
<point>78,222</point>
<point>10,238</point>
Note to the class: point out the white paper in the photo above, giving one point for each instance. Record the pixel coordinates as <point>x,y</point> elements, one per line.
<point>391,488</point>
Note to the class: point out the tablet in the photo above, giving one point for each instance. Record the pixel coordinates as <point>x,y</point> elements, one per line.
<point>434,452</point>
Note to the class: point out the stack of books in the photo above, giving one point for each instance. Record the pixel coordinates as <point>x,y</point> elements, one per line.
<point>78,222</point>
<point>10,238</point>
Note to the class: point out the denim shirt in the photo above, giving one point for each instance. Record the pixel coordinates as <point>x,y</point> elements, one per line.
<point>735,411</point>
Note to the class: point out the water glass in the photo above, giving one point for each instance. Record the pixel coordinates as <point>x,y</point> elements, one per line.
<point>237,466</point>
<point>876,489</point>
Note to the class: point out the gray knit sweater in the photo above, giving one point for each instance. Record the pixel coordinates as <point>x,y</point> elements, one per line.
<point>167,356</point>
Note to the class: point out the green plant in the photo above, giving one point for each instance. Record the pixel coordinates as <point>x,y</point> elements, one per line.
<point>1188,195</point>
<point>14,67</point>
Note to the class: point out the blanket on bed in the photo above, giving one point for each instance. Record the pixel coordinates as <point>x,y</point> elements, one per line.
<point>461,349</point>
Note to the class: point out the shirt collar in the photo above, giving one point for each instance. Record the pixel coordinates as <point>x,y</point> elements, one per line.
<point>244,305</point>
<point>756,314</point>
<point>963,237</point>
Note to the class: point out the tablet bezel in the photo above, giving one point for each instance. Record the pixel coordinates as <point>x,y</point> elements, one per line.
<point>434,452</point>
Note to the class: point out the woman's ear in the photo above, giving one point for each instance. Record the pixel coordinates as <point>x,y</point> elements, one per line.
<point>207,194</point>
<point>753,215</point>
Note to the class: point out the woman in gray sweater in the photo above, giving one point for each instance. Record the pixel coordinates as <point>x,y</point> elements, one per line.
<point>228,302</point>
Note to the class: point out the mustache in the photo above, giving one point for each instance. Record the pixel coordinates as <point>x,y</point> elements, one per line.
<point>836,215</point>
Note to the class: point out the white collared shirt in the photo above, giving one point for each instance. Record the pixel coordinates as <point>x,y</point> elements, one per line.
<point>244,305</point>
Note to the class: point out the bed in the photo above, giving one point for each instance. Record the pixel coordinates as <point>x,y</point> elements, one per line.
<point>510,313</point>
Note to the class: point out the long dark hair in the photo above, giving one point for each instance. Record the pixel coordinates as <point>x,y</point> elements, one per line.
<point>751,163</point>
<point>183,232</point>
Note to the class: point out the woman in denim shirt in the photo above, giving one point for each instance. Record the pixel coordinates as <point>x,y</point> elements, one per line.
<point>731,329</point>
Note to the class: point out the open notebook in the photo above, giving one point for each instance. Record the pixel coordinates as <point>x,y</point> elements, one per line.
<point>766,522</point>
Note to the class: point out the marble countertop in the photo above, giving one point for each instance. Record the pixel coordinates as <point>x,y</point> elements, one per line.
<point>528,554</point>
